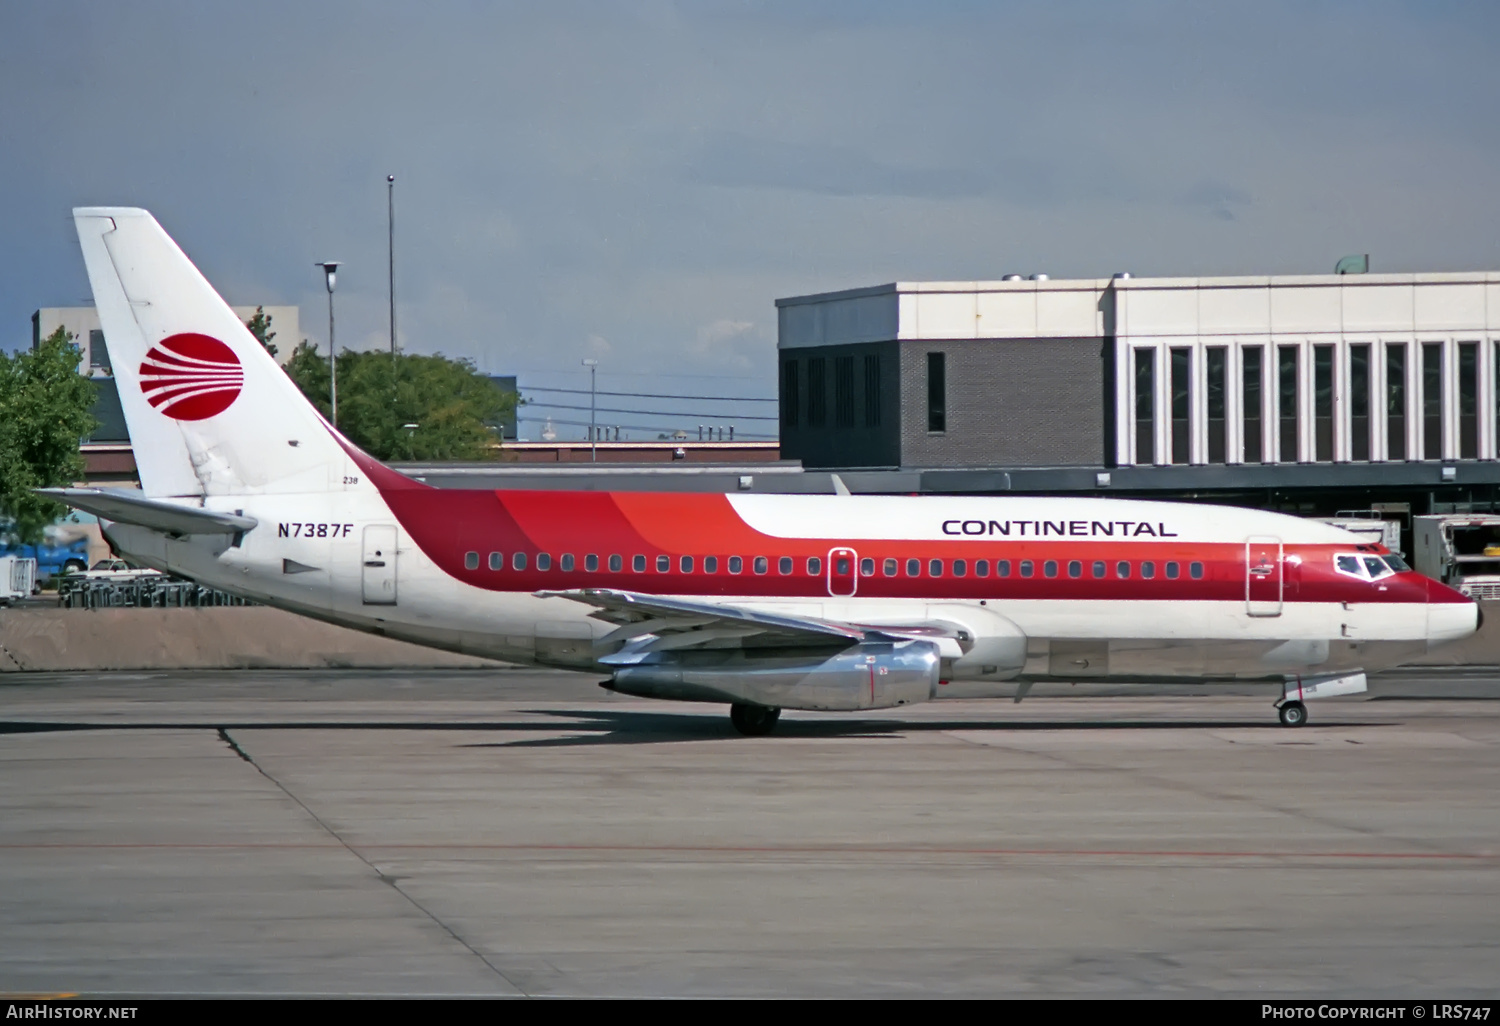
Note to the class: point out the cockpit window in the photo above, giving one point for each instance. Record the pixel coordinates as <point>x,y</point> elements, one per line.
<point>1396,563</point>
<point>1377,568</point>
<point>1349,565</point>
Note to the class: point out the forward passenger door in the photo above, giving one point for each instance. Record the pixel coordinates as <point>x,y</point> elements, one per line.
<point>1264,579</point>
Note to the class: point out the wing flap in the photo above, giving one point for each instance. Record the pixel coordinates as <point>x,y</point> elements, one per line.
<point>687,622</point>
<point>134,508</point>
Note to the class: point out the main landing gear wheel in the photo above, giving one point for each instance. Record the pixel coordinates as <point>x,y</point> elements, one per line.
<point>753,720</point>
<point>1293,714</point>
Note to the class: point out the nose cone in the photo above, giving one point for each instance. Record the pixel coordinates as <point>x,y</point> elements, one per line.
<point>1451,615</point>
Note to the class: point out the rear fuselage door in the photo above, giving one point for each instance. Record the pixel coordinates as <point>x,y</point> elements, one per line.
<point>378,580</point>
<point>1263,576</point>
<point>843,565</point>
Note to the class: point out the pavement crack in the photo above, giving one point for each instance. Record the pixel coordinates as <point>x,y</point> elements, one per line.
<point>390,881</point>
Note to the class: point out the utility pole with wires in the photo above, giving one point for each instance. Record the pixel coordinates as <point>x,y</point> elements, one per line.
<point>592,365</point>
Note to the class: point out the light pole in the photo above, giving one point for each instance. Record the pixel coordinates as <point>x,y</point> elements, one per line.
<point>592,365</point>
<point>330,276</point>
<point>390,193</point>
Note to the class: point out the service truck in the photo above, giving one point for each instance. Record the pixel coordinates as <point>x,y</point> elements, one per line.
<point>1460,549</point>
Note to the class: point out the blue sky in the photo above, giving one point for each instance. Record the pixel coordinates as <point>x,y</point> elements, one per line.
<point>638,182</point>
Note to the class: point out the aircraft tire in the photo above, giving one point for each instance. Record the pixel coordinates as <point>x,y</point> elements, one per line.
<point>1293,714</point>
<point>753,720</point>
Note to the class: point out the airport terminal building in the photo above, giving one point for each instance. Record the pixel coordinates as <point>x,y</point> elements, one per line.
<point>1359,384</point>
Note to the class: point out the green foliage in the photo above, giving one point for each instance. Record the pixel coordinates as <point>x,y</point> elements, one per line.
<point>44,413</point>
<point>260,327</point>
<point>448,400</point>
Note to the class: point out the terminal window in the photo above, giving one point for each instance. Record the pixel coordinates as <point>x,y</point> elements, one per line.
<point>1468,400</point>
<point>937,392</point>
<point>1359,402</point>
<point>1251,402</point>
<point>1145,392</point>
<point>1286,375</point>
<point>1432,400</point>
<point>843,391</point>
<point>789,394</point>
<point>1395,400</point>
<point>872,390</point>
<point>1182,364</point>
<point>1216,358</point>
<point>817,397</point>
<point>1323,403</point>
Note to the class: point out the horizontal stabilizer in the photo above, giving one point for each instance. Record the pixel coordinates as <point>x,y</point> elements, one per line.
<point>134,508</point>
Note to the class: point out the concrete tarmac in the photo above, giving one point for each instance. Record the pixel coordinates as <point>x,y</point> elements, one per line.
<point>522,833</point>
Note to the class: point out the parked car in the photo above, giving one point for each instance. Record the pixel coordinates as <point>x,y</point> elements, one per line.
<point>117,570</point>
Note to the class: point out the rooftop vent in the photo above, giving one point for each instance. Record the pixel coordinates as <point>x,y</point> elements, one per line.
<point>1011,277</point>
<point>1120,275</point>
<point>1038,277</point>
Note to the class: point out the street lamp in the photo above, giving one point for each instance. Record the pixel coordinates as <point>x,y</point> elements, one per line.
<point>330,277</point>
<point>390,193</point>
<point>592,365</point>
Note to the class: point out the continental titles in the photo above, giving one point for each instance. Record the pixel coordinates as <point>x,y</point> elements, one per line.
<point>1058,528</point>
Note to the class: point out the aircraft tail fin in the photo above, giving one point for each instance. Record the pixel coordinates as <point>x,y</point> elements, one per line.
<point>208,409</point>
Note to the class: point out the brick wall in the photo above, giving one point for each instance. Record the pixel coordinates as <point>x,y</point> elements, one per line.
<point>1010,402</point>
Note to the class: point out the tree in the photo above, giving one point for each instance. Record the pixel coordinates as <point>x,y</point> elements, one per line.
<point>260,327</point>
<point>449,401</point>
<point>44,414</point>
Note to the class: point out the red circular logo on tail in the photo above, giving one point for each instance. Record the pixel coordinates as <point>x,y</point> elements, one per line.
<point>191,376</point>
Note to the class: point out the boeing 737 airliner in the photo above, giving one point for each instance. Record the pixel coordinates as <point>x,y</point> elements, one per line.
<point>761,602</point>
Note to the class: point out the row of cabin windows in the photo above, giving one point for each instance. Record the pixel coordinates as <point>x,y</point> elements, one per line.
<point>1097,569</point>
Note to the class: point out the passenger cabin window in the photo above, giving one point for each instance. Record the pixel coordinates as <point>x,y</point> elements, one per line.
<point>935,567</point>
<point>1049,568</point>
<point>762,564</point>
<point>888,568</point>
<point>914,568</point>
<point>710,564</point>
<point>1098,569</point>
<point>543,561</point>
<point>1195,571</point>
<point>1172,570</point>
<point>566,562</point>
<point>471,561</point>
<point>784,565</point>
<point>1122,570</point>
<point>814,566</point>
<point>1026,568</point>
<point>867,567</point>
<point>638,564</point>
<point>591,562</point>
<point>960,567</point>
<point>736,564</point>
<point>685,564</point>
<point>1148,569</point>
<point>663,564</point>
<point>1002,568</point>
<point>518,561</point>
<point>981,568</point>
<point>497,561</point>
<point>616,564</point>
<point>1075,568</point>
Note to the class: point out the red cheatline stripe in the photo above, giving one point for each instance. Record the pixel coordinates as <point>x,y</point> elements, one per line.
<point>153,369</point>
<point>705,849</point>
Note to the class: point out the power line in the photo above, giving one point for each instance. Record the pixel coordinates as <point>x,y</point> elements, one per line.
<point>650,395</point>
<point>650,413</point>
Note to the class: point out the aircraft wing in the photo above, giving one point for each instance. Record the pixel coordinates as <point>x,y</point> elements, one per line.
<point>134,508</point>
<point>683,623</point>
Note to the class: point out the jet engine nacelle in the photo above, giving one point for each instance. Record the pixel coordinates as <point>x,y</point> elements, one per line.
<point>869,675</point>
